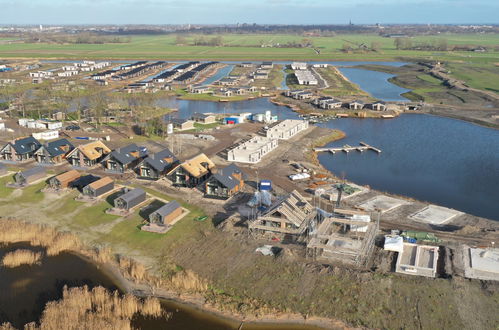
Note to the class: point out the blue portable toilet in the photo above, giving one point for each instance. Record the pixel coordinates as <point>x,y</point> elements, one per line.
<point>265,185</point>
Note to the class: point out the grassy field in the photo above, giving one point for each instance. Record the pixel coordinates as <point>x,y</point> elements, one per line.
<point>93,224</point>
<point>338,86</point>
<point>246,47</point>
<point>477,69</point>
<point>241,279</point>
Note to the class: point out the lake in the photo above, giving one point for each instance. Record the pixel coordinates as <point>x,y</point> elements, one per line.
<point>440,160</point>
<point>186,108</point>
<point>25,290</point>
<point>375,83</point>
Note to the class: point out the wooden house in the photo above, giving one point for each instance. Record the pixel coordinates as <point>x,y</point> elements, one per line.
<point>318,100</point>
<point>130,199</point>
<point>166,214</point>
<point>99,187</point>
<point>83,181</point>
<point>203,118</point>
<point>29,176</point>
<point>156,165</point>
<point>182,124</point>
<point>88,155</point>
<point>330,104</point>
<point>356,105</point>
<point>20,150</point>
<point>192,172</point>
<point>289,215</point>
<point>53,152</point>
<point>64,180</point>
<point>125,158</point>
<point>225,182</point>
<point>378,106</point>
<point>199,89</point>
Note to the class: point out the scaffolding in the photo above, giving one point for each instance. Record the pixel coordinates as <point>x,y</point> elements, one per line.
<point>346,239</point>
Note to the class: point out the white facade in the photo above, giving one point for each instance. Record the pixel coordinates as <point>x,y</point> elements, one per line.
<point>305,77</point>
<point>39,124</point>
<point>47,135</point>
<point>287,129</point>
<point>299,66</point>
<point>67,73</point>
<point>41,74</point>
<point>253,150</point>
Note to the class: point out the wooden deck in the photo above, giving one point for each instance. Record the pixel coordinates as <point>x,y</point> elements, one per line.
<point>347,148</point>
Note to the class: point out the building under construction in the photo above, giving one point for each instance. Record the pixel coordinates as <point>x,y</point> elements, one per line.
<point>289,215</point>
<point>344,236</point>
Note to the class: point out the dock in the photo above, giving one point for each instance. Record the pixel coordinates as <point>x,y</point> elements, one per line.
<point>347,148</point>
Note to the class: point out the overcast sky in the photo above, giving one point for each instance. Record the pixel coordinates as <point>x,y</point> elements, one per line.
<point>247,11</point>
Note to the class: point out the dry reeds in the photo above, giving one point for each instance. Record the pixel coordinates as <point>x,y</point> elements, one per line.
<point>21,257</point>
<point>187,280</point>
<point>81,308</point>
<point>13,231</point>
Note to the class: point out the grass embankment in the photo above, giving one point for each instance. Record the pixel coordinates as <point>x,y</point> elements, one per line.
<point>216,98</point>
<point>21,257</point>
<point>274,81</point>
<point>311,155</point>
<point>339,86</point>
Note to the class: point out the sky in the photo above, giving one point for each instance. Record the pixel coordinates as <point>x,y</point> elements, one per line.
<point>248,11</point>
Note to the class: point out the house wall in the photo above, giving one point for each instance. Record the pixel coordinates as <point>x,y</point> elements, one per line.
<point>172,216</point>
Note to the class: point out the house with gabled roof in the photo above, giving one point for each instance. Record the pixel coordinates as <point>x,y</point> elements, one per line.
<point>98,187</point>
<point>53,152</point>
<point>156,165</point>
<point>165,215</point>
<point>203,118</point>
<point>125,158</point>
<point>330,104</point>
<point>378,106</point>
<point>64,180</point>
<point>88,155</point>
<point>290,215</point>
<point>20,150</point>
<point>225,182</point>
<point>182,124</point>
<point>356,105</point>
<point>192,172</point>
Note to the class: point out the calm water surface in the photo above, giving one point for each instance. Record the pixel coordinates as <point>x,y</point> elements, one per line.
<point>375,83</point>
<point>440,160</point>
<point>186,108</point>
<point>25,290</point>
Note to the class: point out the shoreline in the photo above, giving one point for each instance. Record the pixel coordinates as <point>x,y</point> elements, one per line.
<point>197,302</point>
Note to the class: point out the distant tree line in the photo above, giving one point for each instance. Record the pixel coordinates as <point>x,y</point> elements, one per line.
<point>81,38</point>
<point>409,44</point>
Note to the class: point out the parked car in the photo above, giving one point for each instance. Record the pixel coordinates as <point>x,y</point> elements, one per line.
<point>73,128</point>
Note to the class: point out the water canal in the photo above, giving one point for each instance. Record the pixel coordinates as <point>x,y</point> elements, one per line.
<point>25,290</point>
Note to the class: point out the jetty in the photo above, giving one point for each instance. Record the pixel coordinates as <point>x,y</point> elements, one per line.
<point>347,148</point>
